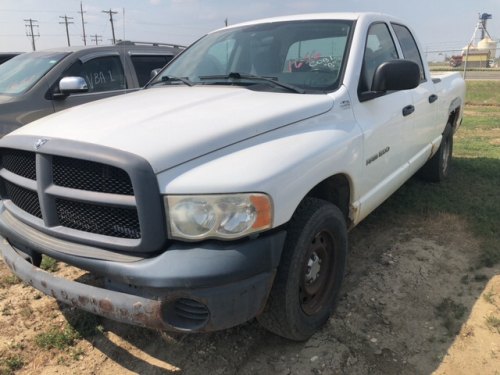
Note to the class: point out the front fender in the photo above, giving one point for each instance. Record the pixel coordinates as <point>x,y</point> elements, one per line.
<point>286,163</point>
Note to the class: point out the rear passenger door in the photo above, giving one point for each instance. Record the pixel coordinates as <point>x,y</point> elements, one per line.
<point>424,98</point>
<point>104,74</point>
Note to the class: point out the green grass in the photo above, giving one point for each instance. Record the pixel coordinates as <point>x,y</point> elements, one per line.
<point>10,280</point>
<point>490,296</point>
<point>493,323</point>
<point>11,364</point>
<point>483,93</point>
<point>49,264</point>
<point>57,338</point>
<point>472,191</point>
<point>450,312</point>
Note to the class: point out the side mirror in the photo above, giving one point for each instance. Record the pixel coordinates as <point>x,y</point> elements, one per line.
<point>73,85</point>
<point>154,73</point>
<point>393,75</point>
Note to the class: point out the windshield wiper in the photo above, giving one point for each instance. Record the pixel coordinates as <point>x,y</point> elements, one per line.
<point>274,80</point>
<point>164,79</point>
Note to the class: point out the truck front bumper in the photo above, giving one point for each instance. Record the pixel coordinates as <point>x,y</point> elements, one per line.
<point>213,286</point>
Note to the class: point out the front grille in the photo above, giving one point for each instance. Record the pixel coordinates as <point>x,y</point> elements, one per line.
<point>19,162</point>
<point>25,199</point>
<point>95,196</point>
<point>90,176</point>
<point>108,221</point>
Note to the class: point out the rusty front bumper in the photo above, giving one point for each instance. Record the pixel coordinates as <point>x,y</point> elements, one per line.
<point>226,305</point>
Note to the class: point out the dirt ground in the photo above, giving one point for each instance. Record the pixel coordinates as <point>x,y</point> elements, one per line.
<point>399,313</point>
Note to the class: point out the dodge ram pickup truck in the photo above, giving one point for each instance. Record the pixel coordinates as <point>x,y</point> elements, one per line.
<point>224,190</point>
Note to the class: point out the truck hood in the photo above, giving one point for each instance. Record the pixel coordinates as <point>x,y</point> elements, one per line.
<point>171,125</point>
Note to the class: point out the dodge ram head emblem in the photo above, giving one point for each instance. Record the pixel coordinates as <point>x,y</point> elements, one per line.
<point>40,143</point>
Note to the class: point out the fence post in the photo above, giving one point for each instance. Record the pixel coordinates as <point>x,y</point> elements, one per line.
<point>466,60</point>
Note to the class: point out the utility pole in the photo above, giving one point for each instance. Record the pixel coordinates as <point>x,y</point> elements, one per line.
<point>67,23</point>
<point>110,12</point>
<point>96,39</point>
<point>83,24</point>
<point>225,22</point>
<point>30,33</point>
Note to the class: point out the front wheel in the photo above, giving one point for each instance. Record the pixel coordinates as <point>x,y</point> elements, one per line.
<point>311,270</point>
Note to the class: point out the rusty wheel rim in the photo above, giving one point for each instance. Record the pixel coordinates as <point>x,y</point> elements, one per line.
<point>318,273</point>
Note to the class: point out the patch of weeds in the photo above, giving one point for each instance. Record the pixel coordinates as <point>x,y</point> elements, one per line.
<point>493,323</point>
<point>49,264</point>
<point>6,311</point>
<point>489,296</point>
<point>57,338</point>
<point>480,277</point>
<point>465,279</point>
<point>76,354</point>
<point>3,296</point>
<point>450,311</point>
<point>11,280</point>
<point>14,363</point>
<point>37,296</point>
<point>61,360</point>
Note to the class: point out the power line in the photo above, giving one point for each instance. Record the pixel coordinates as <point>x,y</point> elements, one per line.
<point>110,12</point>
<point>67,23</point>
<point>30,33</point>
<point>83,24</point>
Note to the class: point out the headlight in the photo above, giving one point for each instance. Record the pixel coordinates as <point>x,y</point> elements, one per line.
<point>217,216</point>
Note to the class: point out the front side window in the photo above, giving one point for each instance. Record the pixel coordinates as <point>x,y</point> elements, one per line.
<point>307,54</point>
<point>144,65</point>
<point>101,73</point>
<point>409,47</point>
<point>21,73</point>
<point>379,48</point>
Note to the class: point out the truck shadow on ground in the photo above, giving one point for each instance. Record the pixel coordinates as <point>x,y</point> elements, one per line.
<point>414,273</point>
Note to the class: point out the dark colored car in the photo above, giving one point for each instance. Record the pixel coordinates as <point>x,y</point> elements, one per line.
<point>36,84</point>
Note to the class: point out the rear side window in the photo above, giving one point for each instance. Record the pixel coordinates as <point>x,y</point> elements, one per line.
<point>101,73</point>
<point>409,47</point>
<point>144,65</point>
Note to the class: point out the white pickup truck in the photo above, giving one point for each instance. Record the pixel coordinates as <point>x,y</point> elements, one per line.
<point>225,189</point>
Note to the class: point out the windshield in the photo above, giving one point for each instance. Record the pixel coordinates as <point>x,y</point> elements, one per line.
<point>19,74</point>
<point>306,54</point>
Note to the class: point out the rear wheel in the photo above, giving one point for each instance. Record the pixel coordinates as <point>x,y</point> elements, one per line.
<point>310,273</point>
<point>438,167</point>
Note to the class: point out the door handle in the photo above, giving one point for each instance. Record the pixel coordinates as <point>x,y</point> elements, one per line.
<point>408,110</point>
<point>433,98</point>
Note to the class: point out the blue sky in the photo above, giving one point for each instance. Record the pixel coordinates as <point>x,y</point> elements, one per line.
<point>443,25</point>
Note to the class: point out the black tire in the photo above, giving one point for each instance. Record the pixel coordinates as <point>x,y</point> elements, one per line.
<point>438,167</point>
<point>302,297</point>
